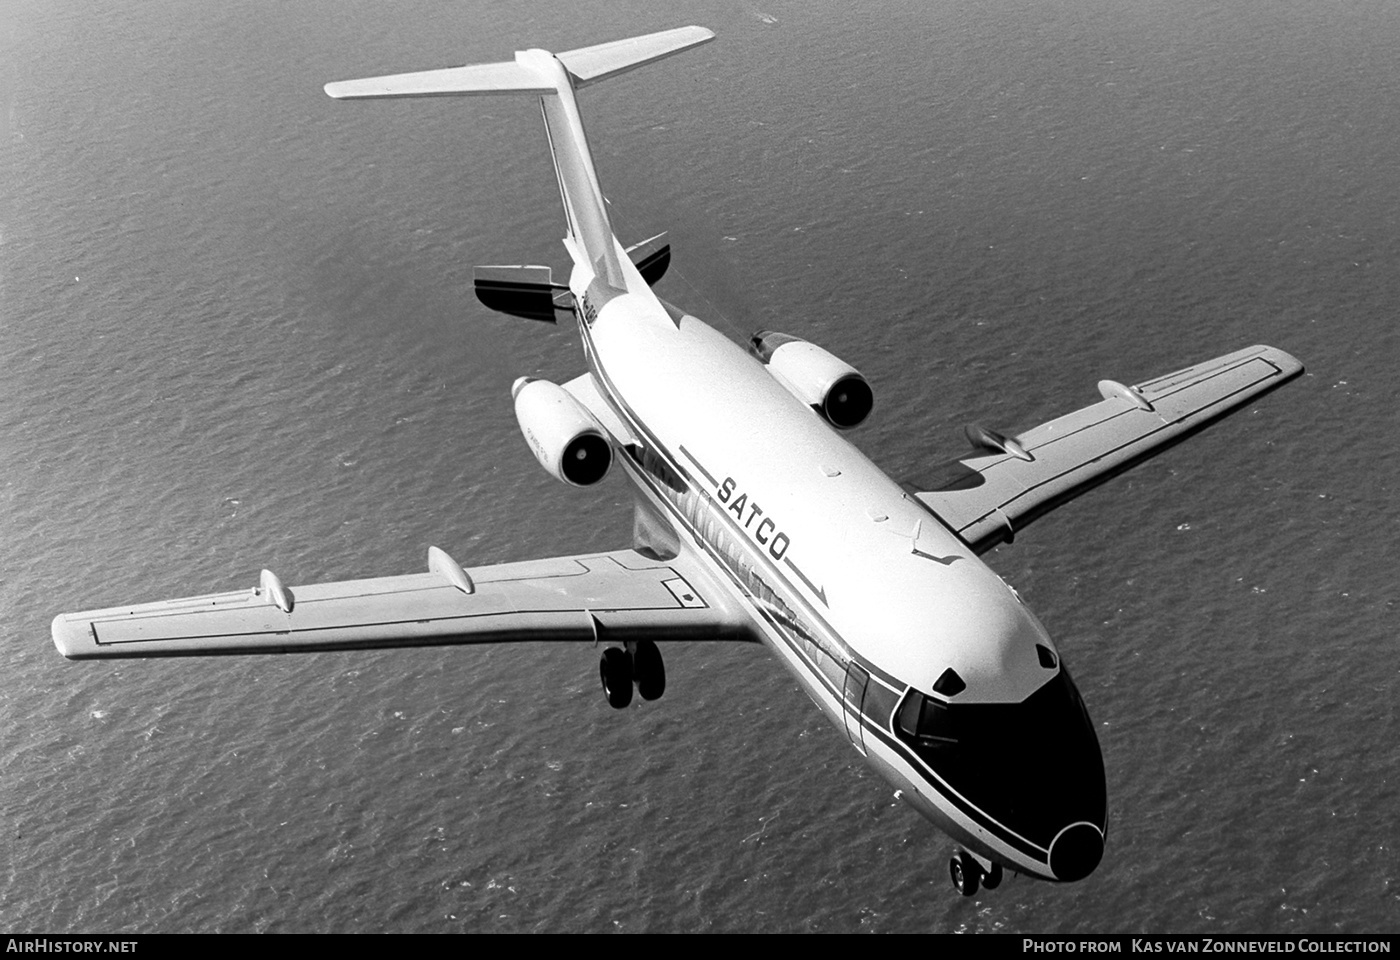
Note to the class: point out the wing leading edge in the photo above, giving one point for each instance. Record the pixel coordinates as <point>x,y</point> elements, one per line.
<point>615,596</point>
<point>989,496</point>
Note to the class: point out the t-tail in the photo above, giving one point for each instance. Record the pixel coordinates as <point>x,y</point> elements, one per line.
<point>554,78</point>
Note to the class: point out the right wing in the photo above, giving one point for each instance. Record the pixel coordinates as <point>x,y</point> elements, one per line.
<point>989,496</point>
<point>614,596</point>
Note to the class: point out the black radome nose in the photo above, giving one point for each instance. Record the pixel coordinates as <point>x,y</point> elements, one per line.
<point>1076,852</point>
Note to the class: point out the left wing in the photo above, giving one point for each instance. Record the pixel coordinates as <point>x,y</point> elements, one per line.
<point>988,497</point>
<point>607,596</point>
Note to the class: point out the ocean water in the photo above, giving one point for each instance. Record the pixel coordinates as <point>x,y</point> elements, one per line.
<point>237,331</point>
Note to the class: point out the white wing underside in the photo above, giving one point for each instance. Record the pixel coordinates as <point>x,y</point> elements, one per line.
<point>989,496</point>
<point>615,596</point>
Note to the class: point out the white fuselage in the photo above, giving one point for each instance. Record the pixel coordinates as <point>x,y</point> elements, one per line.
<point>859,589</point>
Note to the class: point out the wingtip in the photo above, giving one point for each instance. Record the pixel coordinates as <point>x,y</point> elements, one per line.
<point>1288,365</point>
<point>59,630</point>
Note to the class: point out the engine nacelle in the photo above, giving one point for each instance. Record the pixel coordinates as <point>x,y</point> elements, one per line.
<point>565,438</point>
<point>824,382</point>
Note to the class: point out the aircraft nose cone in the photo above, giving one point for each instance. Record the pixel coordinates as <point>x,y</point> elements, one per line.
<point>1076,851</point>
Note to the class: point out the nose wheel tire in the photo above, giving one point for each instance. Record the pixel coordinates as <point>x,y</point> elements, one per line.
<point>964,870</point>
<point>615,670</point>
<point>967,872</point>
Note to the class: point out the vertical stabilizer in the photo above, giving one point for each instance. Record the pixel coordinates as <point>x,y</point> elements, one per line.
<point>584,206</point>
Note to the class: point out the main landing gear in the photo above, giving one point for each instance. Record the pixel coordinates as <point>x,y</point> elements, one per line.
<point>966,870</point>
<point>639,663</point>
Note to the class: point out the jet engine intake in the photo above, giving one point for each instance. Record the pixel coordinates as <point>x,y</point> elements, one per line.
<point>824,382</point>
<point>563,435</point>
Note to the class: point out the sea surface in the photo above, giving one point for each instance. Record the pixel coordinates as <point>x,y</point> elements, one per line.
<point>237,331</point>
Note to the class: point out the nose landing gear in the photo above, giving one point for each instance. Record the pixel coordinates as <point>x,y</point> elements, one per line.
<point>967,870</point>
<point>639,663</point>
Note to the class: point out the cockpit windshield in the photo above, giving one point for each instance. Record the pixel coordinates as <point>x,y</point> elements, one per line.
<point>1035,764</point>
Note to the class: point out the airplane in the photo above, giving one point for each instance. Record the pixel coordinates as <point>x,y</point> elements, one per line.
<point>756,520</point>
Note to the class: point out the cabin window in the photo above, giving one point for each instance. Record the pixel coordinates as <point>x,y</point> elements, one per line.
<point>662,471</point>
<point>647,459</point>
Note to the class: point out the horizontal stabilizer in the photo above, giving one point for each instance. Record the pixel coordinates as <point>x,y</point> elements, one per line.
<point>478,78</point>
<point>526,291</point>
<point>591,64</point>
<point>586,65</point>
<point>651,258</point>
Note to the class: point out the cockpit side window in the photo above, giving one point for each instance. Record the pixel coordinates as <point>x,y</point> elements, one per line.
<point>925,720</point>
<point>908,719</point>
